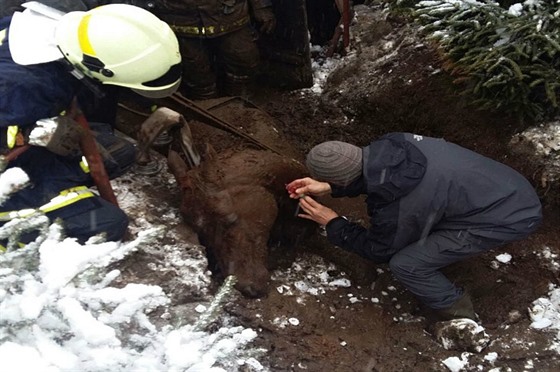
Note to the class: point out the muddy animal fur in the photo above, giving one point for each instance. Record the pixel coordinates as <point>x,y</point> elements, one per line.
<point>237,203</point>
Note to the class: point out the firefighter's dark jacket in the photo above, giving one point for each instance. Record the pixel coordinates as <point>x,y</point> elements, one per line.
<point>30,93</point>
<point>416,185</point>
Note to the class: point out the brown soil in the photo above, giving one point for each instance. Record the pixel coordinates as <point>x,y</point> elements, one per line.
<point>361,101</point>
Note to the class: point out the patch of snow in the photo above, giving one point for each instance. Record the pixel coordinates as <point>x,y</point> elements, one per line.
<point>545,312</point>
<point>11,180</point>
<point>551,259</point>
<point>504,258</point>
<point>544,140</point>
<point>308,275</point>
<point>456,364</point>
<point>60,312</point>
<point>491,357</point>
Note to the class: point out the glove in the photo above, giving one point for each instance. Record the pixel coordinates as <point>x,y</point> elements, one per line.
<point>60,135</point>
<point>265,18</point>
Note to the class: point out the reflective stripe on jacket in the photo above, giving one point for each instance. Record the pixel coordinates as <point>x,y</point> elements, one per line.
<point>206,18</point>
<point>65,198</point>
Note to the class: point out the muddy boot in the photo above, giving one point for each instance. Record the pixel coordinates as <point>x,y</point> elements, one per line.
<point>462,335</point>
<point>455,327</point>
<point>200,93</point>
<point>462,308</point>
<point>236,85</point>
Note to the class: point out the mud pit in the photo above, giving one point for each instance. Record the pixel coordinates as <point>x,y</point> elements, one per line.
<point>374,324</point>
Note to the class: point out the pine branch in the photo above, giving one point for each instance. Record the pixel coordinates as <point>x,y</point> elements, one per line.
<point>501,60</point>
<point>213,310</point>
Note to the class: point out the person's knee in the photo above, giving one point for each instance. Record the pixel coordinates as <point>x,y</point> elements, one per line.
<point>105,218</point>
<point>115,228</point>
<point>402,266</point>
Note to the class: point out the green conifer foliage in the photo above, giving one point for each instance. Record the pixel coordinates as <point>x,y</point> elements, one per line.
<point>503,58</point>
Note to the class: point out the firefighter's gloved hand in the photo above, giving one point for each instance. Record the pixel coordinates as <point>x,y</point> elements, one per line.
<point>265,18</point>
<point>60,135</point>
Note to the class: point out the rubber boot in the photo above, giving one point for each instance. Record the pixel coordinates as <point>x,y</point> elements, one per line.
<point>200,93</point>
<point>236,85</point>
<point>462,308</point>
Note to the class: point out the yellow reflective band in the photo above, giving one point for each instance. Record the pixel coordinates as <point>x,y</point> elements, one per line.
<point>66,197</point>
<point>74,189</point>
<point>22,213</point>
<point>4,249</point>
<point>2,36</point>
<point>210,30</point>
<point>83,37</point>
<point>84,165</point>
<point>12,136</point>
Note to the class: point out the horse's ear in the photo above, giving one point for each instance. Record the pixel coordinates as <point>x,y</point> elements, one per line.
<point>177,165</point>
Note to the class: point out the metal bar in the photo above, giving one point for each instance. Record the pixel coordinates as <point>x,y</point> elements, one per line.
<point>214,121</point>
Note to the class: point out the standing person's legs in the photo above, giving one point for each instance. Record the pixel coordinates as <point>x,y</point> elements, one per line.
<point>199,78</point>
<point>418,266</point>
<point>238,56</point>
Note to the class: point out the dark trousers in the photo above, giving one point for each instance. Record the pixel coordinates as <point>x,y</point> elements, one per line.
<point>231,58</point>
<point>50,174</point>
<point>418,265</point>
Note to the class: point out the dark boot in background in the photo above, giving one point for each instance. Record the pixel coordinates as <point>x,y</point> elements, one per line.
<point>236,85</point>
<point>200,93</point>
<point>462,308</point>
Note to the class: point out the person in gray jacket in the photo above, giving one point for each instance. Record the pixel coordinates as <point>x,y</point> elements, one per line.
<point>431,203</point>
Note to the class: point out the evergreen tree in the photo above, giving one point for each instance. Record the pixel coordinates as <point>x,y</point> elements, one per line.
<point>506,59</point>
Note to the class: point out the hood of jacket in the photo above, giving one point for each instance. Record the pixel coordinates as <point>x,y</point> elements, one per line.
<point>393,167</point>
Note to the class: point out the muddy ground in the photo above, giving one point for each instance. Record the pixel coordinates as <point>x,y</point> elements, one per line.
<point>392,81</point>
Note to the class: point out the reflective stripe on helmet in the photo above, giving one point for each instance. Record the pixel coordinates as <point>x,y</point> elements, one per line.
<point>11,136</point>
<point>65,198</point>
<point>121,44</point>
<point>83,37</point>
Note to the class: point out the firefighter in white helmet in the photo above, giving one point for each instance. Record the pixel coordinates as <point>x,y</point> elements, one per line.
<point>47,58</point>
<point>122,45</point>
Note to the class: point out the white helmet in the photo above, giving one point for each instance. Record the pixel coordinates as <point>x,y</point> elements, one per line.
<point>122,45</point>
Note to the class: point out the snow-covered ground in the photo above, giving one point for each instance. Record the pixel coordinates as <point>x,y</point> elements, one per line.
<point>60,309</point>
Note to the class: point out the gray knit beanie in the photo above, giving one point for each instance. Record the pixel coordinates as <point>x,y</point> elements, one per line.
<point>339,163</point>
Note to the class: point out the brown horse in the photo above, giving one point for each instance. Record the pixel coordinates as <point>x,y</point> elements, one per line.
<point>237,203</point>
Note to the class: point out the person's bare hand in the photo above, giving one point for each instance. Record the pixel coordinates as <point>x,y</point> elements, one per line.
<point>315,211</point>
<point>307,186</point>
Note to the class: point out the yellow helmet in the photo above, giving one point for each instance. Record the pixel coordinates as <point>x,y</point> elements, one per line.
<point>122,45</point>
